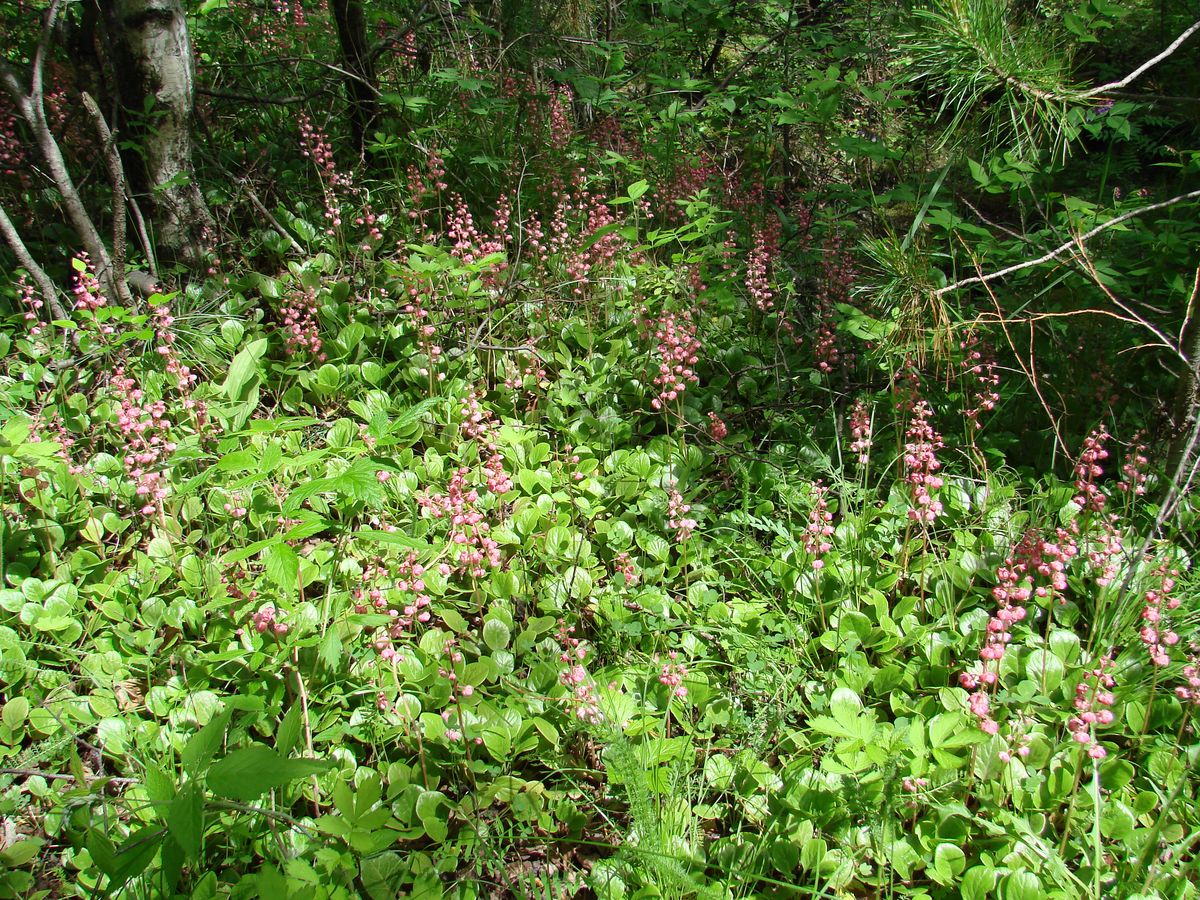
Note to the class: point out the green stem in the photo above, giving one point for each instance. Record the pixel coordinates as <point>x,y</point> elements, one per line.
<point>1062,845</point>
<point>1097,847</point>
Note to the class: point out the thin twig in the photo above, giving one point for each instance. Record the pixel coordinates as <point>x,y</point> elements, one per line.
<point>308,738</point>
<point>1191,306</point>
<point>268,813</point>
<point>1124,307</point>
<point>256,98</point>
<point>1030,372</point>
<point>32,108</point>
<point>266,214</point>
<point>59,776</point>
<point>986,221</point>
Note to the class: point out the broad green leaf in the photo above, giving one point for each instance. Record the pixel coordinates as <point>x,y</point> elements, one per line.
<point>977,882</point>
<point>496,634</point>
<point>21,852</point>
<point>718,771</point>
<point>203,745</point>
<point>1045,669</point>
<point>243,371</point>
<point>282,566</point>
<point>289,729</point>
<point>249,773</point>
<point>185,819</point>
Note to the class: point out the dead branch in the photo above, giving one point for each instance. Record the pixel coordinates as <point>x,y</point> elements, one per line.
<point>1058,251</point>
<point>1147,65</point>
<point>44,282</point>
<point>116,176</point>
<point>32,108</point>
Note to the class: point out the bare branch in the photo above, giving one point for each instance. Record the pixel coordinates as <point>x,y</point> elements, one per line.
<point>34,112</point>
<point>116,175</point>
<point>44,282</point>
<point>266,214</point>
<point>1029,371</point>
<point>256,98</point>
<point>1116,301</point>
<point>1191,307</point>
<point>39,54</point>
<point>1058,251</point>
<point>58,776</point>
<point>1147,65</point>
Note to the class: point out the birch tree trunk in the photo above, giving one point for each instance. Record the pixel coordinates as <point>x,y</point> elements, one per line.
<point>152,54</point>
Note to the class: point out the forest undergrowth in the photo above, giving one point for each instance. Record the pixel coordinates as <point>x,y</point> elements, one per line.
<point>585,496</point>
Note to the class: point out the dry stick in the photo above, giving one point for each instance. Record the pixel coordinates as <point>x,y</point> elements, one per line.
<point>266,214</point>
<point>1120,304</point>
<point>1147,65</point>
<point>45,285</point>
<point>58,776</point>
<point>1109,88</point>
<point>262,811</point>
<point>1016,235</point>
<point>1074,242</point>
<point>116,174</point>
<point>256,98</point>
<point>143,234</point>
<point>1191,306</point>
<point>1030,373</point>
<point>139,226</point>
<point>752,55</point>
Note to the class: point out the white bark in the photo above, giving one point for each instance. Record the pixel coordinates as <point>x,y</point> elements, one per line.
<point>154,62</point>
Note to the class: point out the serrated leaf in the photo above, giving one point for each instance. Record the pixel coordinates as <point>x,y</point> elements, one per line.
<point>359,482</point>
<point>282,566</point>
<point>330,650</point>
<point>380,875</point>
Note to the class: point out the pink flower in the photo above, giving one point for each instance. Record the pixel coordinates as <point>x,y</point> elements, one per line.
<point>1088,469</point>
<point>820,526</point>
<point>678,352</point>
<point>860,431</point>
<point>1092,697</point>
<point>677,519</point>
<point>921,464</point>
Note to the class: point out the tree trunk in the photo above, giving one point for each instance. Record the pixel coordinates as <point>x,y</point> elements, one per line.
<point>360,80</point>
<point>154,70</point>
